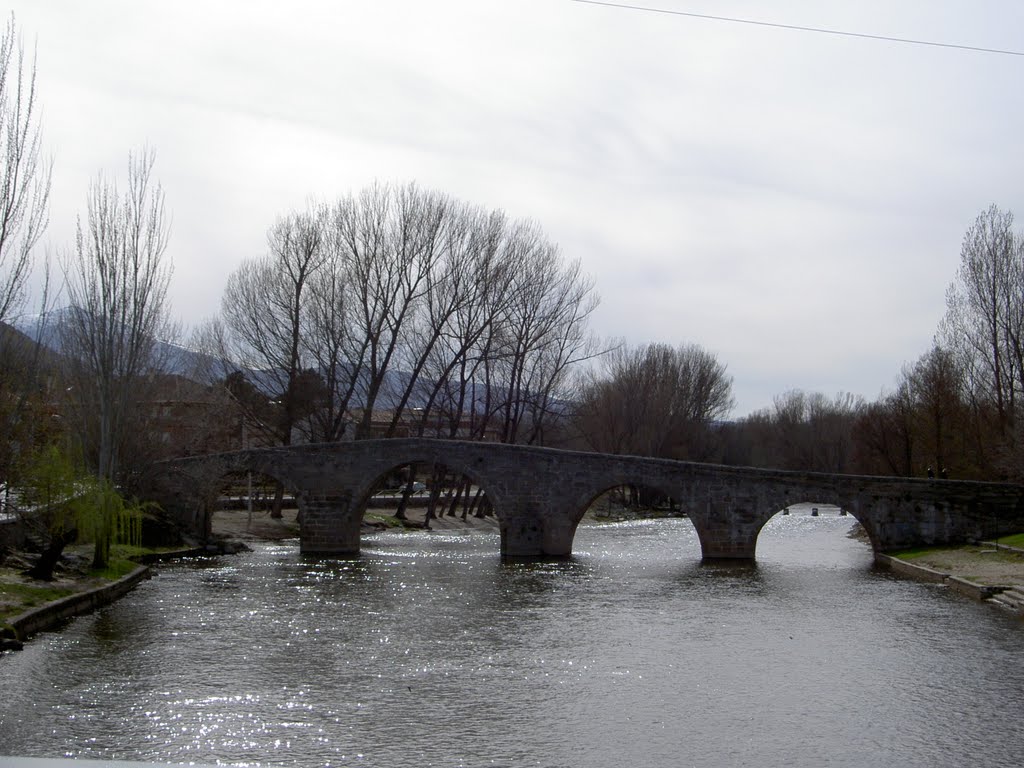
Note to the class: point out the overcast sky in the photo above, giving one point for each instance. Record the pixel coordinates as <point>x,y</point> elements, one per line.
<point>793,202</point>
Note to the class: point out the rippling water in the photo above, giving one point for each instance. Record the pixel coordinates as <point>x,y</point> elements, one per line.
<point>428,650</point>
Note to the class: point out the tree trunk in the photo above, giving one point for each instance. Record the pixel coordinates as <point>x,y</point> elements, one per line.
<point>483,505</point>
<point>275,510</point>
<point>43,569</point>
<point>454,502</point>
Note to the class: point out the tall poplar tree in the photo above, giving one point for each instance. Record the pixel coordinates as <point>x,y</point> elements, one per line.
<point>117,282</point>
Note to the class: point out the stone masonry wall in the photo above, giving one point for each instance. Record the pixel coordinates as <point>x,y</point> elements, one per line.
<point>540,494</point>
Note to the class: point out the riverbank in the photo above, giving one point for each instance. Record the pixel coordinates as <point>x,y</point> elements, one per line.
<point>29,606</point>
<point>19,628</point>
<point>985,571</point>
<point>982,563</point>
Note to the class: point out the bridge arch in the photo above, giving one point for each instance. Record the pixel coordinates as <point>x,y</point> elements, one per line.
<point>734,525</point>
<point>201,484</point>
<point>250,491</point>
<point>813,502</point>
<point>435,472</point>
<point>616,499</point>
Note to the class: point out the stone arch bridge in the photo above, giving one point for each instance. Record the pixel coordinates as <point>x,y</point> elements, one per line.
<point>539,495</point>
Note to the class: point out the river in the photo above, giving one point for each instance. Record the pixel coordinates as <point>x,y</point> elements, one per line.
<point>429,651</point>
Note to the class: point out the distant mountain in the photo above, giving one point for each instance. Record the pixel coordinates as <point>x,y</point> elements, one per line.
<point>18,347</point>
<point>172,358</point>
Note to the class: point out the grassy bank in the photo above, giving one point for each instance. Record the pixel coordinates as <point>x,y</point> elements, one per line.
<point>1017,540</point>
<point>925,552</point>
<point>18,597</point>
<point>19,593</point>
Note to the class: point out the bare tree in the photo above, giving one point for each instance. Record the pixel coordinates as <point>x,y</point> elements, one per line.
<point>25,184</point>
<point>328,338</point>
<point>984,329</point>
<point>804,431</point>
<point>117,283</point>
<point>392,238</point>
<point>484,280</point>
<point>884,437</point>
<point>404,304</point>
<point>936,386</point>
<point>928,423</point>
<point>450,290</point>
<point>264,311</point>
<point>538,337</point>
<point>984,322</point>
<point>654,400</point>
<point>24,196</point>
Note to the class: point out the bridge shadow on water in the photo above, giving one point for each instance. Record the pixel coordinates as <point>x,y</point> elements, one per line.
<point>700,574</point>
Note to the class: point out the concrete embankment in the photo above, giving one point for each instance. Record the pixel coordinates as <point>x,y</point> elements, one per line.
<point>53,613</point>
<point>932,576</point>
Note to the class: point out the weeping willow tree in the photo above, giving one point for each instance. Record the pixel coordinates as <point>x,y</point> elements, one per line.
<point>105,518</point>
<point>66,504</point>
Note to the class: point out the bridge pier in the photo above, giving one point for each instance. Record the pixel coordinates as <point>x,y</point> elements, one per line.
<point>331,525</point>
<point>728,530</point>
<point>527,535</point>
<point>718,549</point>
<point>521,536</point>
<point>558,536</point>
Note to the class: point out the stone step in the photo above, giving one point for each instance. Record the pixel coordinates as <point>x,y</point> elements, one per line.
<point>1011,600</point>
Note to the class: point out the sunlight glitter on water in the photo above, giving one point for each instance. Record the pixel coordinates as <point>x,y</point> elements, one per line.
<point>429,650</point>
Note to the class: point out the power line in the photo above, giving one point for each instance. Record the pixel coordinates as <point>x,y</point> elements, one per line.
<point>798,28</point>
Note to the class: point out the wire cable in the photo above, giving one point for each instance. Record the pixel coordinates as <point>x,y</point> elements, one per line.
<point>798,28</point>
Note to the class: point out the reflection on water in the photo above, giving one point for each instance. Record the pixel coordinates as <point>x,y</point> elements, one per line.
<point>429,650</point>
